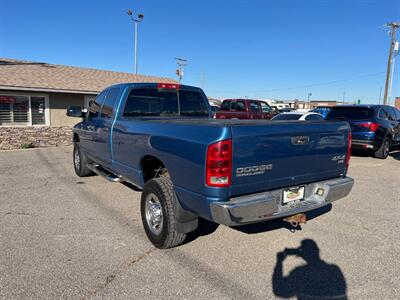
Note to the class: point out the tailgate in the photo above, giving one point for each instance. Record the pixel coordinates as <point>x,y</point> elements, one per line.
<point>284,154</point>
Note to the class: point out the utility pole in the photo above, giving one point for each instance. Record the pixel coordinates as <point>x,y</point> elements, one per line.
<point>308,100</point>
<point>393,28</point>
<point>181,65</point>
<point>135,21</point>
<point>344,96</point>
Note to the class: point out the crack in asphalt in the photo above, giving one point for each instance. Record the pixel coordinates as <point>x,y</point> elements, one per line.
<point>111,277</point>
<point>17,213</point>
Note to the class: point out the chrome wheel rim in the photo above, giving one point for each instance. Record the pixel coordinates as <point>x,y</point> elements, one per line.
<point>77,160</point>
<point>154,214</point>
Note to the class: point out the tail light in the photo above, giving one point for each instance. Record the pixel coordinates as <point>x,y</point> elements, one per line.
<point>168,86</point>
<point>371,126</point>
<point>347,161</point>
<point>219,164</point>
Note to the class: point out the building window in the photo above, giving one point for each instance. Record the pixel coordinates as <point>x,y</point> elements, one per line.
<point>23,110</point>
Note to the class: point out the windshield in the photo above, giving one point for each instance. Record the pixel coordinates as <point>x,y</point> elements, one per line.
<point>151,102</point>
<point>287,117</point>
<point>350,113</point>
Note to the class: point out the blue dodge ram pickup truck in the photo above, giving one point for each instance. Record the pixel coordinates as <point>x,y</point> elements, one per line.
<point>162,139</point>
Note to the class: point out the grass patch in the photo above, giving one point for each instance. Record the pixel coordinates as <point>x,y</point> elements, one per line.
<point>27,145</point>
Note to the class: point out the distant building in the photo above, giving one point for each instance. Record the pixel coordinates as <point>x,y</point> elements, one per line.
<point>34,97</point>
<point>397,102</point>
<point>324,103</point>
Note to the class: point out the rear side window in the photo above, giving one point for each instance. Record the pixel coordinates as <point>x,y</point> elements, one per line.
<point>254,107</point>
<point>95,106</point>
<point>288,117</point>
<point>109,103</point>
<point>226,105</point>
<point>350,113</point>
<point>240,106</point>
<point>314,117</point>
<point>151,102</point>
<point>383,114</point>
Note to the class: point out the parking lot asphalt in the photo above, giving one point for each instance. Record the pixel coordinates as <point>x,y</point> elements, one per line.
<point>67,237</point>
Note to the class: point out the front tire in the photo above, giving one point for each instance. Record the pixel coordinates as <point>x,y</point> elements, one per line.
<point>158,213</point>
<point>80,162</point>
<point>384,149</point>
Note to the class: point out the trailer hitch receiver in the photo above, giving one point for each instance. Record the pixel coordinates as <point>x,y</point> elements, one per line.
<point>296,220</point>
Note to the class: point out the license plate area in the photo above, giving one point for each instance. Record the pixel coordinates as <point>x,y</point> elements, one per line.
<point>293,194</point>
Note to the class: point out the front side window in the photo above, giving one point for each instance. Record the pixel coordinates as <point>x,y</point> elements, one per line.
<point>109,103</point>
<point>95,106</point>
<point>391,113</point>
<point>22,110</point>
<point>254,107</point>
<point>265,107</point>
<point>397,114</point>
<point>151,102</point>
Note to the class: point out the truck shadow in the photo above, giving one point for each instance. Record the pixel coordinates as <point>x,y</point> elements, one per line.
<point>362,153</point>
<point>279,223</point>
<point>204,228</point>
<point>316,279</point>
<point>207,227</point>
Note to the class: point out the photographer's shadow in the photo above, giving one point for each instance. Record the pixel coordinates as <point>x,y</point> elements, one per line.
<point>314,280</point>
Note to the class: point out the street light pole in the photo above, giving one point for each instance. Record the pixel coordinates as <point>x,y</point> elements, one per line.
<point>309,104</point>
<point>136,47</point>
<point>393,28</point>
<point>135,21</point>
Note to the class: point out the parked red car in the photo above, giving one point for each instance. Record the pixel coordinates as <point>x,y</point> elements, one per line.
<point>244,109</point>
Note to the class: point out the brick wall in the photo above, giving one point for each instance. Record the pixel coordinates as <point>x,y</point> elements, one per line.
<point>43,136</point>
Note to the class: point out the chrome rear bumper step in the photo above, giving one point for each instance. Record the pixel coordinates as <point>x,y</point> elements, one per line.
<point>104,173</point>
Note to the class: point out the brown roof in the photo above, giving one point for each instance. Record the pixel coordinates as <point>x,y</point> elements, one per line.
<point>36,76</point>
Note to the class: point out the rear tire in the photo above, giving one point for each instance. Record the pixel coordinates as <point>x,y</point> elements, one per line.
<point>80,162</point>
<point>158,213</point>
<point>384,149</point>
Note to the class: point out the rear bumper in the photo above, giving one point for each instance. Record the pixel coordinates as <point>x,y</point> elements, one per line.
<point>268,205</point>
<point>364,144</point>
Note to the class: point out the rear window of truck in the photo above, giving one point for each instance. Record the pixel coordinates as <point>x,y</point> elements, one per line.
<point>351,113</point>
<point>152,102</point>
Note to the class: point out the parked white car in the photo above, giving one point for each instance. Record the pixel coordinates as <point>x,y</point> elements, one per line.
<point>309,116</point>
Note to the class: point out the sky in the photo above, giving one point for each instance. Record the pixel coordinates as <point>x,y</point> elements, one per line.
<point>282,49</point>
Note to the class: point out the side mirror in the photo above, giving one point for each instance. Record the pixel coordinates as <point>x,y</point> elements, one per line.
<point>75,111</point>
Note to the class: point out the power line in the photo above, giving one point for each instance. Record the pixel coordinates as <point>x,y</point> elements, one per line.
<point>315,84</point>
